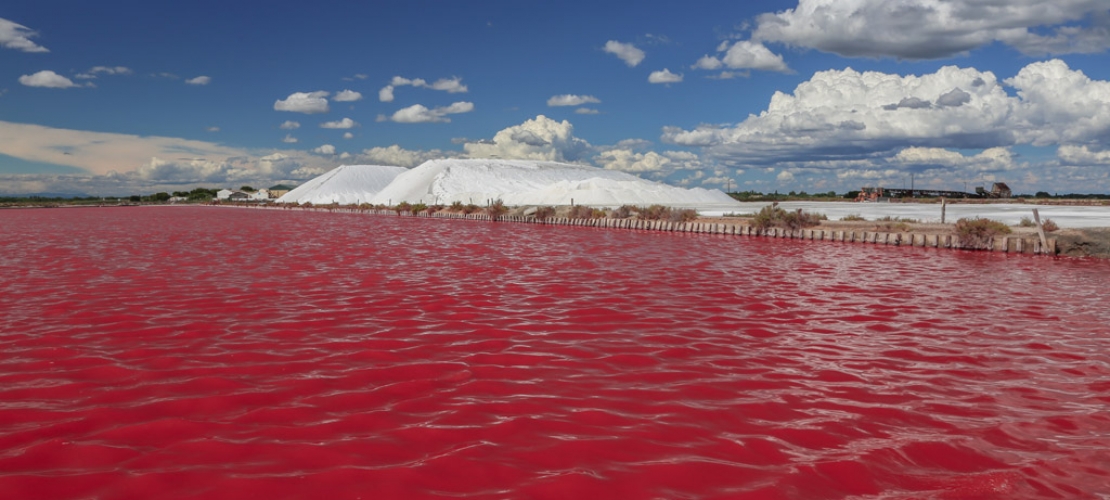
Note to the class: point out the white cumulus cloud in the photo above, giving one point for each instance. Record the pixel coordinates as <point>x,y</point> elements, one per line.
<point>345,123</point>
<point>18,37</point>
<point>401,157</point>
<point>107,70</point>
<point>304,102</point>
<point>290,125</point>
<point>990,159</point>
<point>540,138</point>
<point>708,62</point>
<point>1083,156</point>
<point>629,161</point>
<point>664,76</point>
<point>200,80</point>
<point>627,52</point>
<point>347,96</point>
<point>418,113</point>
<point>326,149</point>
<point>866,125</point>
<point>47,79</point>
<point>451,85</point>
<point>753,55</point>
<point>845,112</point>
<point>386,94</point>
<point>929,29</point>
<point>289,139</point>
<point>572,100</point>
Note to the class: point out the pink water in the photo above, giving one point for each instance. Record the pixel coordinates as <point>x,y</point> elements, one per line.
<point>227,353</point>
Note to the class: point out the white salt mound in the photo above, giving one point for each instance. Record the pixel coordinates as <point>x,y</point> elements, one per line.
<point>522,182</point>
<point>345,185</point>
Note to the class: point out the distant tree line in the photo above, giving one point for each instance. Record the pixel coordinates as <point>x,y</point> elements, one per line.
<point>195,195</point>
<point>776,196</point>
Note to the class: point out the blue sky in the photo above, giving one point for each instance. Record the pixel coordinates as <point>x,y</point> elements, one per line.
<point>125,97</point>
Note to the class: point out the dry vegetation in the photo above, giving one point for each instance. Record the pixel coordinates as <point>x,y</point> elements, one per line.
<point>979,233</point>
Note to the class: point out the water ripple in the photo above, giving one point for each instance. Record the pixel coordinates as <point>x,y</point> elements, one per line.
<point>218,353</point>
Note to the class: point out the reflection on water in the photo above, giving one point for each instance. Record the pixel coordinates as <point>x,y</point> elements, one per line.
<point>223,353</point>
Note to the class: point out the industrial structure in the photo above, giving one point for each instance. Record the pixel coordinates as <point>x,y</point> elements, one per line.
<point>998,190</point>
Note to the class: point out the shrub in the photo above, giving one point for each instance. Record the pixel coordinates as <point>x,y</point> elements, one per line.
<point>1047,224</point>
<point>897,227</point>
<point>979,233</point>
<point>470,208</point>
<point>896,219</point>
<point>654,212</point>
<point>544,212</point>
<point>682,215</point>
<point>457,206</point>
<point>417,208</point>
<point>624,212</point>
<point>402,207</point>
<point>580,212</point>
<point>496,209</point>
<point>775,216</point>
<point>852,218</point>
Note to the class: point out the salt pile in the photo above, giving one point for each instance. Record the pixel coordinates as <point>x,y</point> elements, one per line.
<point>345,185</point>
<point>523,182</point>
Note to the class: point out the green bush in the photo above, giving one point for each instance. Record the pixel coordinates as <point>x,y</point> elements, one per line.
<point>852,218</point>
<point>402,207</point>
<point>457,206</point>
<point>1027,222</point>
<point>979,233</point>
<point>470,208</point>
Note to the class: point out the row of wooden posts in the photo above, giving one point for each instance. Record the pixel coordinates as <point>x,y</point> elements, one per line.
<point>1010,244</point>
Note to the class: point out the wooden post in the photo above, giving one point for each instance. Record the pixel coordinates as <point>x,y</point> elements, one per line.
<point>1040,229</point>
<point>943,208</point>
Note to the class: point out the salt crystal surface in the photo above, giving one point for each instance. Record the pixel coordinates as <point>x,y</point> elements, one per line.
<point>345,185</point>
<point>523,182</point>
